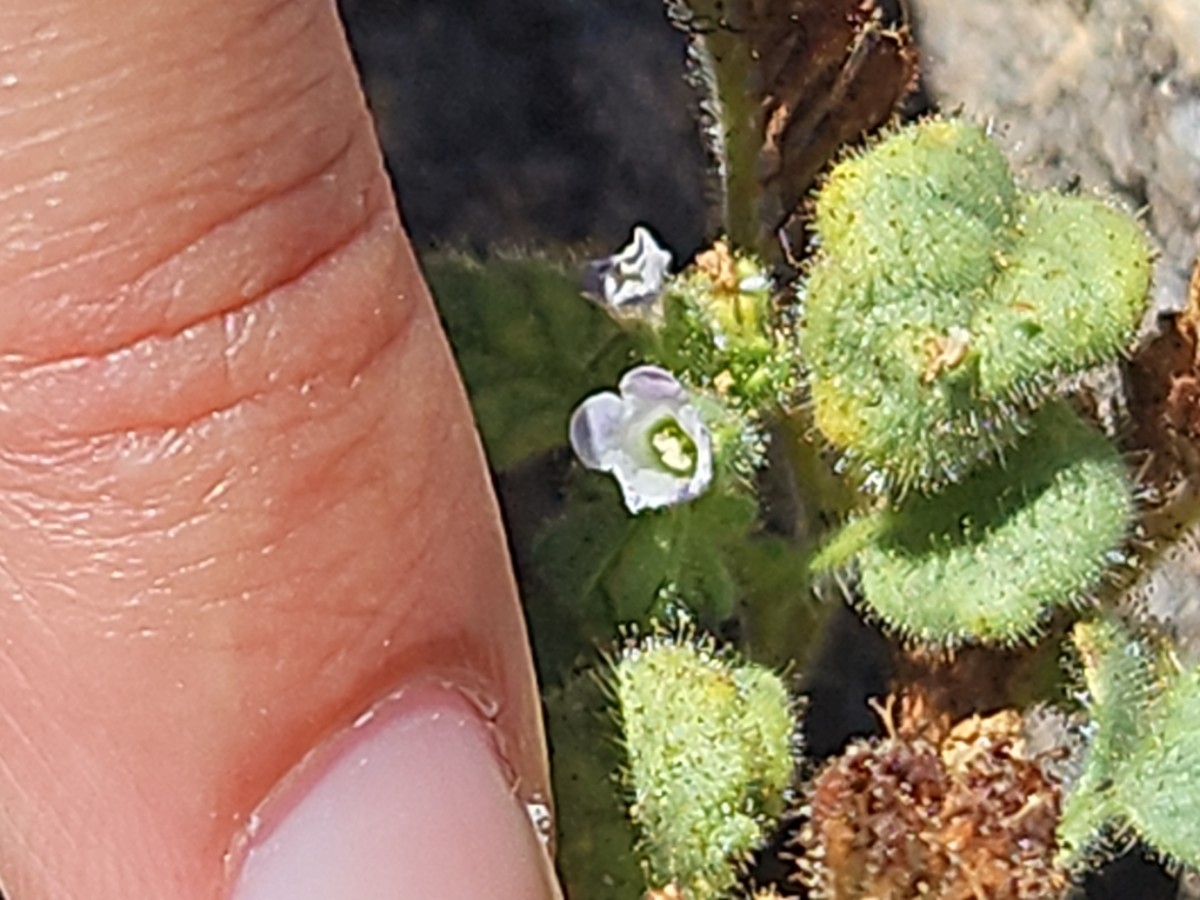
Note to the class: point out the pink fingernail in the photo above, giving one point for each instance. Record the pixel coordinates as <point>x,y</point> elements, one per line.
<point>413,803</point>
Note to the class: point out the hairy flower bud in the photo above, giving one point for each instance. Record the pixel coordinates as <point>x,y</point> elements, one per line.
<point>631,281</point>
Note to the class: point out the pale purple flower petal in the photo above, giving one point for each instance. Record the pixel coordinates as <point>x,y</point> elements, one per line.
<point>650,437</point>
<point>651,383</point>
<point>595,427</point>
<point>633,278</point>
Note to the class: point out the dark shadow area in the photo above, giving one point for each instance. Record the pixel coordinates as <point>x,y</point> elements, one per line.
<point>532,122</point>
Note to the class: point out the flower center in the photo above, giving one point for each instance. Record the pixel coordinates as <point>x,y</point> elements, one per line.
<point>673,448</point>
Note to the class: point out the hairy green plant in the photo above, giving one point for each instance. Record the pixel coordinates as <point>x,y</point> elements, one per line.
<point>942,308</point>
<point>975,561</point>
<point>943,303</point>
<point>1118,680</point>
<point>1141,768</point>
<point>710,743</point>
<point>932,327</point>
<point>1161,795</point>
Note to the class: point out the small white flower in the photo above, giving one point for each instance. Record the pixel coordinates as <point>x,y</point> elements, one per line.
<point>649,436</point>
<point>632,279</point>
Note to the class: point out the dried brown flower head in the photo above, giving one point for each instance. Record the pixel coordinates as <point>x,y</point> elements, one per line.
<point>970,818</point>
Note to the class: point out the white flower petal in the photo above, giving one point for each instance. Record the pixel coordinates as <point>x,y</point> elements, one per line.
<point>645,488</point>
<point>631,278</point>
<point>652,383</point>
<point>596,430</point>
<point>620,434</point>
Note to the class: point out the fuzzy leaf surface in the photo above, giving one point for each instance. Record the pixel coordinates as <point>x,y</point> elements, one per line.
<point>987,558</point>
<point>528,345</point>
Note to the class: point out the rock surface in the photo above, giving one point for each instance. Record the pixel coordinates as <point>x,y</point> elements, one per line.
<point>1102,94</point>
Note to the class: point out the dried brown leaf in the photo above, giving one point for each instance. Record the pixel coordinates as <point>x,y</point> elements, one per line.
<point>804,77</point>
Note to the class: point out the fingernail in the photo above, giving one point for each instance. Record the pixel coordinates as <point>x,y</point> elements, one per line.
<point>413,803</point>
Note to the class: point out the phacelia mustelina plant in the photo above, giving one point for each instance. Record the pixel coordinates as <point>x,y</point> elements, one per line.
<point>892,416</point>
<point>941,309</point>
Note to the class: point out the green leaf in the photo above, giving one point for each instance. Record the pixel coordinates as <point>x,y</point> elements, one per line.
<point>1070,293</point>
<point>987,558</point>
<point>943,304</point>
<point>596,838</point>
<point>529,346</point>
<point>567,603</point>
<point>1119,685</point>
<point>1161,788</point>
<point>598,567</point>
<point>1142,767</point>
<point>709,741</point>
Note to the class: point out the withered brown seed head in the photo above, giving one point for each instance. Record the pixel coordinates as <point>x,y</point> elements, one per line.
<point>718,264</point>
<point>899,818</point>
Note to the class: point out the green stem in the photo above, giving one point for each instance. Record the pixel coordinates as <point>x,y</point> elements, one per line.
<point>727,74</point>
<point>848,542</point>
<point>783,617</point>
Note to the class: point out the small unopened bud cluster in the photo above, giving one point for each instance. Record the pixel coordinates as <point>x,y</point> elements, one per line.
<point>709,741</point>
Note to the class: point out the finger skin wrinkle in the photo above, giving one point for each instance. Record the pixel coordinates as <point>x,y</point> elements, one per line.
<point>96,319</point>
<point>241,497</point>
<point>123,191</point>
<point>130,512</point>
<point>285,337</point>
<point>260,243</point>
<point>93,245</point>
<point>165,421</point>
